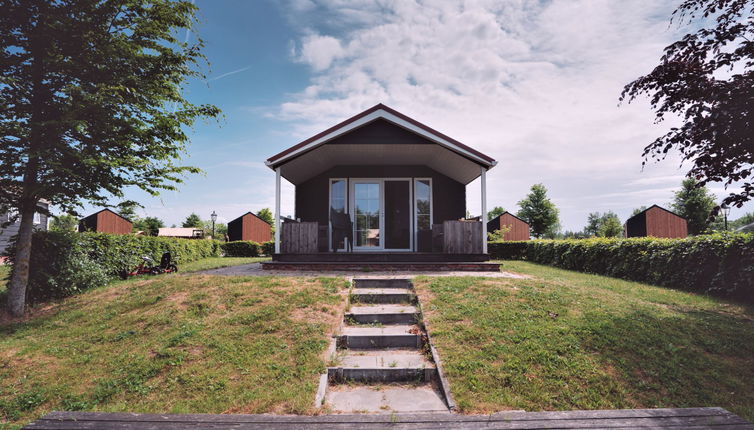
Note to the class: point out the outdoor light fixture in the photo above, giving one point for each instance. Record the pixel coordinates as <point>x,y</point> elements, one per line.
<point>214,218</point>
<point>726,212</point>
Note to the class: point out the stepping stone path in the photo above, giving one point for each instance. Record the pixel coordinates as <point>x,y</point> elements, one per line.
<point>383,362</point>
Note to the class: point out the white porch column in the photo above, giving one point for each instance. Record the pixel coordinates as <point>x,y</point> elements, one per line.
<point>484,210</point>
<point>277,210</point>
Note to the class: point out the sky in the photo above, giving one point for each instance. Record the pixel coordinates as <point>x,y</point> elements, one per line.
<point>534,84</point>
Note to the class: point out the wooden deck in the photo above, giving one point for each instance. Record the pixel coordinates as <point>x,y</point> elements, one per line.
<point>378,257</point>
<point>690,418</point>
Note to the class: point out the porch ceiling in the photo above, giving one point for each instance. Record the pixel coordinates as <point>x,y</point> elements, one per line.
<point>324,157</point>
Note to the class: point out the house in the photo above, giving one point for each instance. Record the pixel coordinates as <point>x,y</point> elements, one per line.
<point>7,233</point>
<point>106,221</point>
<point>181,232</point>
<point>393,184</point>
<point>517,229</point>
<point>656,221</point>
<point>249,227</point>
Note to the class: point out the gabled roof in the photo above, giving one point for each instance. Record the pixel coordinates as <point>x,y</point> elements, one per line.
<point>654,206</point>
<point>506,212</point>
<point>380,111</point>
<point>107,210</point>
<point>248,213</point>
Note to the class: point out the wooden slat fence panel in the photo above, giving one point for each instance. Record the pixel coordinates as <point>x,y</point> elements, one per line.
<point>462,237</point>
<point>299,238</point>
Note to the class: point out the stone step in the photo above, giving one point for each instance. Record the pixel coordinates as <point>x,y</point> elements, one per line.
<point>382,295</point>
<point>396,336</point>
<point>382,366</point>
<point>382,314</point>
<point>382,283</point>
<point>386,400</point>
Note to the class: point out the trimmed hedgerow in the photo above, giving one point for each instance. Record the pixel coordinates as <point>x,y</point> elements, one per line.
<point>719,264</point>
<point>245,248</point>
<point>66,263</point>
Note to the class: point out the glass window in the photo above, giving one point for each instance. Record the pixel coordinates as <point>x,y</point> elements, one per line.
<point>338,195</point>
<point>423,204</point>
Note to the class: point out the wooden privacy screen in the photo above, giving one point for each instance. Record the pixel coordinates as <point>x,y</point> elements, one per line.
<point>462,237</point>
<point>299,237</point>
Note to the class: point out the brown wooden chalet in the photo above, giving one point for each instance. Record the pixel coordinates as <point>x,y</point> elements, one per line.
<point>249,227</point>
<point>380,184</point>
<point>106,221</point>
<point>656,221</point>
<point>515,228</point>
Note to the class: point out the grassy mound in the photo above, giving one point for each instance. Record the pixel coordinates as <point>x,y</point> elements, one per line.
<point>199,344</point>
<point>566,340</point>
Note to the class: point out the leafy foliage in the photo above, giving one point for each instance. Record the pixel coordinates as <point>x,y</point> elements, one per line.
<point>245,248</point>
<point>539,211</point>
<point>695,203</point>
<point>495,212</point>
<point>67,263</point>
<point>720,264</point>
<point>266,215</point>
<point>603,225</point>
<point>64,222</point>
<point>193,221</point>
<point>151,225</point>
<point>707,78</point>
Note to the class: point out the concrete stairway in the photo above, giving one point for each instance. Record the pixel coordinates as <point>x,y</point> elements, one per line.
<point>382,362</point>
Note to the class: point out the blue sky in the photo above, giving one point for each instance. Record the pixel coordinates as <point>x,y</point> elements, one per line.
<point>535,84</point>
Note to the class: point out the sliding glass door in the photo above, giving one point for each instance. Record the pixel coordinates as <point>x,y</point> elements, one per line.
<point>368,214</point>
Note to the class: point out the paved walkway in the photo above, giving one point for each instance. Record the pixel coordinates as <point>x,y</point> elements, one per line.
<point>255,269</point>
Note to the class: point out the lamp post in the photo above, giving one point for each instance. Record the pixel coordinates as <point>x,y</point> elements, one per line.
<point>214,218</point>
<point>726,212</point>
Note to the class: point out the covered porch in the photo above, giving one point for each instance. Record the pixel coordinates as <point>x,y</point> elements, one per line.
<point>380,187</point>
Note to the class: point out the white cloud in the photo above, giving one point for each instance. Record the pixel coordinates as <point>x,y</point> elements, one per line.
<point>533,84</point>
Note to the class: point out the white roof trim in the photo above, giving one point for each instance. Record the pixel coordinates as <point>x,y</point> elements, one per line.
<point>381,113</point>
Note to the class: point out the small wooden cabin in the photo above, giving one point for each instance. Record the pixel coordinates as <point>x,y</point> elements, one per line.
<point>518,229</point>
<point>181,232</point>
<point>106,221</point>
<point>656,221</point>
<point>249,227</point>
<point>10,230</point>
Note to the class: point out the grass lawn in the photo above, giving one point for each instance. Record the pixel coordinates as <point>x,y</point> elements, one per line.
<point>566,340</point>
<point>218,262</point>
<point>4,273</point>
<point>172,344</point>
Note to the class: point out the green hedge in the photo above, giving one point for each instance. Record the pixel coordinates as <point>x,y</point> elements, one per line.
<point>245,248</point>
<point>718,264</point>
<point>66,263</point>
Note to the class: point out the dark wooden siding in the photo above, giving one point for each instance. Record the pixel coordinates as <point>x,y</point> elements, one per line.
<point>249,227</point>
<point>380,131</point>
<point>519,230</point>
<point>448,196</point>
<point>7,233</point>
<point>656,222</point>
<point>661,223</point>
<point>106,221</point>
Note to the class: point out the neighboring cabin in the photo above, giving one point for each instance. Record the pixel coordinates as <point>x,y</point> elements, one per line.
<point>106,221</point>
<point>656,221</point>
<point>249,227</point>
<point>518,229</point>
<point>40,223</point>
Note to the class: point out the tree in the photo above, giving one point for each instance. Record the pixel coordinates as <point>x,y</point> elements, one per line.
<point>603,225</point>
<point>193,221</point>
<point>127,209</point>
<point>695,203</point>
<point>539,211</point>
<point>64,222</point>
<point>707,79</point>
<point>221,229</point>
<point>91,103</point>
<point>638,210</point>
<point>266,215</point>
<point>495,212</point>
<point>150,225</point>
<point>610,225</point>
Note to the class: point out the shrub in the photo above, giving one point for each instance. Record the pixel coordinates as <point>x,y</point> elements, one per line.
<point>720,264</point>
<point>241,248</point>
<point>268,248</point>
<point>66,263</point>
